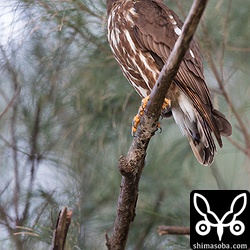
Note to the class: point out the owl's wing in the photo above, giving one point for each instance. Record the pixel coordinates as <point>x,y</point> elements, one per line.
<point>156,30</point>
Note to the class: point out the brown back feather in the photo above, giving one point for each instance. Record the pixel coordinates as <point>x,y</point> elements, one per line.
<point>155,32</point>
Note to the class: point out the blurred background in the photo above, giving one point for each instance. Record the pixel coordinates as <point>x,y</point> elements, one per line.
<point>65,119</point>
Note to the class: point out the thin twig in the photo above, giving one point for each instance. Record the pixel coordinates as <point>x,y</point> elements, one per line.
<point>163,230</point>
<point>33,158</point>
<point>11,102</point>
<point>224,40</point>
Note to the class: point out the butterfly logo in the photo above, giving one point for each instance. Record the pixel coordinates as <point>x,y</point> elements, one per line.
<point>203,227</point>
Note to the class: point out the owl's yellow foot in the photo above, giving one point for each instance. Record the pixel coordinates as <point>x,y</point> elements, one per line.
<point>166,105</point>
<point>137,118</point>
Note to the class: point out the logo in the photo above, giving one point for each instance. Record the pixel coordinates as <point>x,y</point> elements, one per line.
<point>219,219</point>
<point>203,227</point>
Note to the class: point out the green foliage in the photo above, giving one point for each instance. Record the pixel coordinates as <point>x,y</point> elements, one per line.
<point>61,137</point>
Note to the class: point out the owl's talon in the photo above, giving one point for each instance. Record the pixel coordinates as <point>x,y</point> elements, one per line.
<point>159,127</point>
<point>135,122</point>
<point>166,105</point>
<point>137,118</point>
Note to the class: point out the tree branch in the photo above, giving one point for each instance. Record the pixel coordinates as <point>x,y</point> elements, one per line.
<point>132,165</point>
<point>61,231</point>
<point>162,230</point>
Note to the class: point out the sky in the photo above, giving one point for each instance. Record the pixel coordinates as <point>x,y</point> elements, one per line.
<point>11,22</point>
<point>13,29</point>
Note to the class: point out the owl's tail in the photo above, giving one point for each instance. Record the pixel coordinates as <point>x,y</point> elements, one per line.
<point>199,133</point>
<point>201,140</point>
